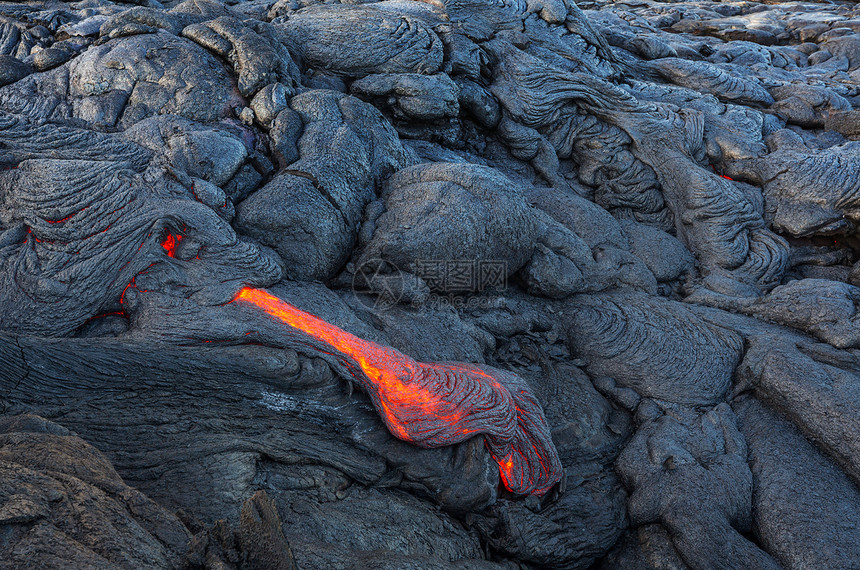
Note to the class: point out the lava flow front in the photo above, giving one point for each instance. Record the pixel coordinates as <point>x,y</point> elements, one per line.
<point>436,404</point>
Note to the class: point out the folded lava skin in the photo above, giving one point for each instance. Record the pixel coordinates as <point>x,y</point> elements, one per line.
<point>220,217</point>
<point>439,403</point>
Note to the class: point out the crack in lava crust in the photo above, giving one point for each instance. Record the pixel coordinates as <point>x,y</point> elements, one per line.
<point>437,404</point>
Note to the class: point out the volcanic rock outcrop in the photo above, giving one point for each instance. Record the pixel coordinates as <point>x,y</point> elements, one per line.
<point>408,284</point>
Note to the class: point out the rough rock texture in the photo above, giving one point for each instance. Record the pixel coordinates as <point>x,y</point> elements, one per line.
<point>63,504</point>
<point>788,470</point>
<point>675,458</point>
<point>658,348</point>
<point>807,191</point>
<point>457,284</point>
<point>442,211</point>
<point>310,211</point>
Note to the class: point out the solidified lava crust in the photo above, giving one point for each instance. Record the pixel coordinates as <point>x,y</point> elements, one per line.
<point>429,284</point>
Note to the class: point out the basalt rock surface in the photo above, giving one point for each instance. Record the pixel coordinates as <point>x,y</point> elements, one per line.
<point>451,284</point>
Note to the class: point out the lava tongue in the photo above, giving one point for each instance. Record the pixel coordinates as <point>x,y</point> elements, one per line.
<point>436,404</point>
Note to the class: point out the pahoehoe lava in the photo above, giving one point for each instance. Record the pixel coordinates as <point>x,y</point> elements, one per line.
<point>439,404</point>
<point>420,284</point>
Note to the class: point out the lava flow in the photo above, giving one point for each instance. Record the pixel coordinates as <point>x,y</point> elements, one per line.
<point>436,404</point>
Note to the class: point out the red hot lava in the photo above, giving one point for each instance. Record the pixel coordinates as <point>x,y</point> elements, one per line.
<point>170,244</point>
<point>436,404</point>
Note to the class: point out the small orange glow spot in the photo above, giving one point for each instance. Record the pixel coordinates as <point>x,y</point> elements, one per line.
<point>170,243</point>
<point>506,470</point>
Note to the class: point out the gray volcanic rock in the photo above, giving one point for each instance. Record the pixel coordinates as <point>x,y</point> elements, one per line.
<point>675,458</point>
<point>201,151</point>
<point>648,548</point>
<point>391,42</point>
<point>788,470</point>
<point>665,255</point>
<point>657,347</point>
<point>826,309</point>
<point>108,86</point>
<point>812,384</point>
<point>453,211</point>
<point>808,106</point>
<point>366,522</point>
<point>310,212</point>
<point>12,70</point>
<point>807,191</point>
<point>712,79</point>
<point>419,97</point>
<point>257,57</point>
<point>62,504</point>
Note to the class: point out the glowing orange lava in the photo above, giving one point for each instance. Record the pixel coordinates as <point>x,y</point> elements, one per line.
<point>437,404</point>
<point>374,360</point>
<point>170,244</point>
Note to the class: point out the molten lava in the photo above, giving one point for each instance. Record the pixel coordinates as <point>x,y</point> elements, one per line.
<point>170,244</point>
<point>436,404</point>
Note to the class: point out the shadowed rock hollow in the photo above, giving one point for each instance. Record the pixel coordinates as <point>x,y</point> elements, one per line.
<point>402,284</point>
